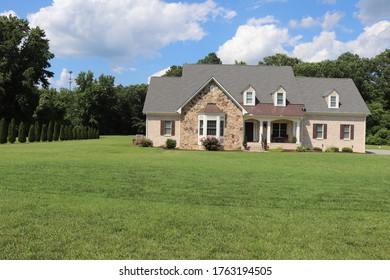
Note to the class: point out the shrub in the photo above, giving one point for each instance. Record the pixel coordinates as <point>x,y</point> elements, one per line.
<point>12,132</point>
<point>332,149</point>
<point>277,149</point>
<point>37,131</point>
<point>21,133</point>
<point>211,144</point>
<point>62,133</point>
<point>56,132</point>
<point>44,133</point>
<point>3,131</point>
<point>145,142</point>
<point>170,143</point>
<point>50,132</point>
<point>293,139</point>
<point>347,150</point>
<point>31,134</point>
<point>302,149</point>
<point>317,149</point>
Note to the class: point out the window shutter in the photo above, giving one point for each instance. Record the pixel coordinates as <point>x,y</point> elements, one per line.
<point>341,131</point>
<point>325,131</point>
<point>315,131</point>
<point>173,128</point>
<point>352,132</point>
<point>162,127</point>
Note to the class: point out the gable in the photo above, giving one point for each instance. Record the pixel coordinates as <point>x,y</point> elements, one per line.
<point>211,84</point>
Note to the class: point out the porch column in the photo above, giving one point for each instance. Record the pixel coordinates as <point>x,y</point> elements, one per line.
<point>298,132</point>
<point>261,132</point>
<point>268,132</point>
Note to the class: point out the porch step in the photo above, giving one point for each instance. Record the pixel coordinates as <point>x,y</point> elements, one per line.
<point>255,147</point>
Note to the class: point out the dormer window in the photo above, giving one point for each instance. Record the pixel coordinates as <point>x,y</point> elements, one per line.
<point>333,102</point>
<point>249,96</point>
<point>279,97</point>
<point>332,99</point>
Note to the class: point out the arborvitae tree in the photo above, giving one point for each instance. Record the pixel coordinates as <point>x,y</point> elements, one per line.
<point>62,133</point>
<point>56,132</point>
<point>21,133</point>
<point>66,132</point>
<point>12,132</point>
<point>37,129</point>
<point>70,133</point>
<point>74,133</point>
<point>31,134</point>
<point>44,133</point>
<point>50,132</point>
<point>3,132</point>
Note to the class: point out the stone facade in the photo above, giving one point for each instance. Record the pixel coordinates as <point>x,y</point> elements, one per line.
<point>333,132</point>
<point>189,121</point>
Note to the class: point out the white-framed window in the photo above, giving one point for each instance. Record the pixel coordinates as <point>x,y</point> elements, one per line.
<point>201,127</point>
<point>320,131</point>
<point>347,131</point>
<point>221,128</point>
<point>333,100</point>
<point>212,128</point>
<point>249,96</point>
<point>211,125</point>
<point>168,128</point>
<point>280,97</point>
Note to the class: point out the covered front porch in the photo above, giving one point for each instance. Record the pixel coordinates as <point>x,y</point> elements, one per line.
<point>278,132</point>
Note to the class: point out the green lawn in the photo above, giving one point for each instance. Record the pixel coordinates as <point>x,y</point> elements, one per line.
<point>107,199</point>
<point>377,147</point>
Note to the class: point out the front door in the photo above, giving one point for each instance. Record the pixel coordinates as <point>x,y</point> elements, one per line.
<point>249,131</point>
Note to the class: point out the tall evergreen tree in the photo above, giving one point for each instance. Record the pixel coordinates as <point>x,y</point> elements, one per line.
<point>31,134</point>
<point>50,132</point>
<point>37,130</point>
<point>3,131</point>
<point>56,132</point>
<point>21,133</point>
<point>62,132</point>
<point>12,132</point>
<point>44,133</point>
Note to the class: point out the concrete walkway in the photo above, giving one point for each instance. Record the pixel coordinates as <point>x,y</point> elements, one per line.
<point>378,152</point>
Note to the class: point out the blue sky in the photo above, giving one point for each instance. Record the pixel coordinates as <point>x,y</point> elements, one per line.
<point>134,39</point>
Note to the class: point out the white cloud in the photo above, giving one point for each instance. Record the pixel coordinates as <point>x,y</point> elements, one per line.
<point>123,28</point>
<point>372,11</point>
<point>121,69</point>
<point>63,81</point>
<point>7,13</point>
<point>328,22</point>
<point>159,73</point>
<point>374,40</point>
<point>253,41</point>
<point>260,37</point>
<point>331,20</point>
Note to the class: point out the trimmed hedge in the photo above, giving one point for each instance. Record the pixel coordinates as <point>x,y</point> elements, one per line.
<point>332,149</point>
<point>347,150</point>
<point>170,143</point>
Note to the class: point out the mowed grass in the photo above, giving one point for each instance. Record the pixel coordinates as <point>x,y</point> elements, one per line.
<point>108,199</point>
<point>377,147</point>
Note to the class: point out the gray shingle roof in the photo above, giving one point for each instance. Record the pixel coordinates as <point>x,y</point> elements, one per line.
<point>167,94</point>
<point>314,91</point>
